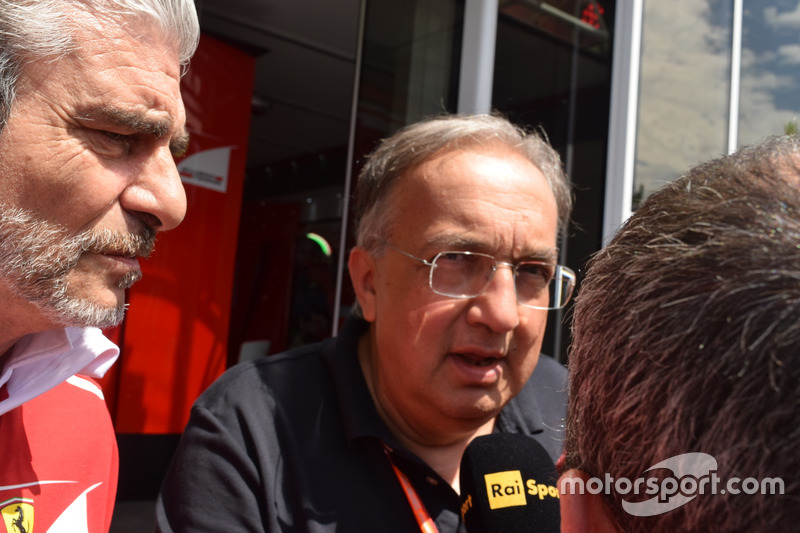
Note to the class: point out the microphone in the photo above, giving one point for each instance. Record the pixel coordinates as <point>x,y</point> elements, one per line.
<point>508,484</point>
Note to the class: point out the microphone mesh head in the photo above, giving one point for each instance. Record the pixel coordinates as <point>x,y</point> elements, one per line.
<point>508,484</point>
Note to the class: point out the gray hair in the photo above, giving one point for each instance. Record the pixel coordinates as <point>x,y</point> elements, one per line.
<point>36,29</point>
<point>416,143</point>
<point>687,338</point>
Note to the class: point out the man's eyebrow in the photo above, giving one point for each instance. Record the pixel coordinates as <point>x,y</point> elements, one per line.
<point>140,123</point>
<point>180,144</point>
<point>461,243</point>
<point>454,243</point>
<point>548,255</point>
<point>132,120</point>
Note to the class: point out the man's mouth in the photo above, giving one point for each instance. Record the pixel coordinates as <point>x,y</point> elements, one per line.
<point>477,360</point>
<point>125,259</point>
<point>118,254</point>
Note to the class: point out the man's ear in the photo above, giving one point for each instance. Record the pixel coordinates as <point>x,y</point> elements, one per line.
<point>362,274</point>
<point>582,513</point>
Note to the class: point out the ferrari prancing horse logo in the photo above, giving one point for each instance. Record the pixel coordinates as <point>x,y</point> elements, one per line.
<point>18,515</point>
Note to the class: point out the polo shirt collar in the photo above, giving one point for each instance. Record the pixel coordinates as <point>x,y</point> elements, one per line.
<point>514,419</point>
<point>40,361</point>
<point>361,418</point>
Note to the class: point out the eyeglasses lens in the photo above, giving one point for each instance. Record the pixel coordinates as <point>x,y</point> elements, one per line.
<point>466,275</point>
<point>461,275</point>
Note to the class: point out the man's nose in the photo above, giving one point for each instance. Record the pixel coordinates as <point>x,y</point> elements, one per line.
<point>156,194</point>
<point>497,306</point>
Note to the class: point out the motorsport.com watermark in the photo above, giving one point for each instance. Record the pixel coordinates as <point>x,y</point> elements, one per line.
<point>693,474</point>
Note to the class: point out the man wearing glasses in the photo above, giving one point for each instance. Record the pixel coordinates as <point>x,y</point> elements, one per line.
<point>454,272</point>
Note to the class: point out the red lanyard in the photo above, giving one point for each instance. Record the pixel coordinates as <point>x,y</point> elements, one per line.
<point>426,523</point>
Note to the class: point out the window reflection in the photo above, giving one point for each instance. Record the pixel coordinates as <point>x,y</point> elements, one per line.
<point>770,76</point>
<point>684,88</point>
<point>553,71</point>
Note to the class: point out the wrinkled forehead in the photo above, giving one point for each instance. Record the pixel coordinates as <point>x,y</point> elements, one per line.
<point>109,24</point>
<point>488,190</point>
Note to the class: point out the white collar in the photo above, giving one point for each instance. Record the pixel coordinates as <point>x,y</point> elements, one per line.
<point>40,361</point>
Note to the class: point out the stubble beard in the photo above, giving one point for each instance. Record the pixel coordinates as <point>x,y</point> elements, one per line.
<point>37,256</point>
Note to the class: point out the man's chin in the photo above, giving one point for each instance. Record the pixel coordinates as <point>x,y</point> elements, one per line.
<point>76,312</point>
<point>87,300</point>
<point>129,279</point>
<point>476,411</point>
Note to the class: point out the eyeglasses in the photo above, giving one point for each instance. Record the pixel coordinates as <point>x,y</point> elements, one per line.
<point>538,284</point>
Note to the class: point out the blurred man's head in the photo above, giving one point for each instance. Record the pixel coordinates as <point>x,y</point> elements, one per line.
<point>686,337</point>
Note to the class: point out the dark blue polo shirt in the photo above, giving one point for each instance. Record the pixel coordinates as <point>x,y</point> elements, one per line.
<point>293,443</point>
